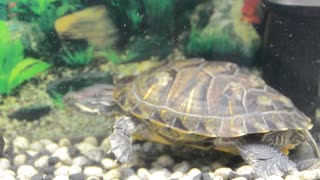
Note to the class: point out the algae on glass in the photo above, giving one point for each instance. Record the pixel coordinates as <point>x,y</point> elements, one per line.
<point>14,67</point>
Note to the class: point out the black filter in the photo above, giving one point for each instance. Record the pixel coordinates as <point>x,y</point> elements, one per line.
<point>291,51</point>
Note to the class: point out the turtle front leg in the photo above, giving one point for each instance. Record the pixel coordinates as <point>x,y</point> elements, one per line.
<point>121,140</point>
<point>267,160</point>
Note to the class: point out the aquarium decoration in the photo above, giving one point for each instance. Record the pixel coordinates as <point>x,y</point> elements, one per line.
<point>77,56</point>
<point>14,67</point>
<point>91,24</point>
<point>228,33</point>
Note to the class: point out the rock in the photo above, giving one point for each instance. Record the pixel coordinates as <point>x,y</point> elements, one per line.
<point>31,113</point>
<point>113,174</point>
<point>143,173</point>
<point>74,169</point>
<point>41,162</point>
<point>91,140</point>
<point>100,33</point>
<point>93,171</point>
<point>81,161</point>
<point>52,147</point>
<point>244,170</point>
<point>7,175</point>
<point>26,172</point>
<point>53,160</point>
<point>63,170</point>
<point>176,175</point>
<point>162,174</point>
<point>273,177</point>
<point>239,178</point>
<point>164,161</point>
<point>194,172</point>
<point>77,176</point>
<point>183,167</point>
<point>64,142</point>
<point>310,174</point>
<point>133,177</point>
<point>21,143</point>
<point>61,177</point>
<point>63,155</point>
<point>108,163</point>
<point>92,152</point>
<point>19,159</point>
<point>224,172</point>
<point>4,164</point>
<point>37,177</point>
<point>36,146</point>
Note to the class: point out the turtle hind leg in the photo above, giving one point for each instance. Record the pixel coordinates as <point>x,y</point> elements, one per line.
<point>120,139</point>
<point>267,160</point>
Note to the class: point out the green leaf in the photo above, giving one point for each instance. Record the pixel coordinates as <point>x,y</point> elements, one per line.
<point>25,70</point>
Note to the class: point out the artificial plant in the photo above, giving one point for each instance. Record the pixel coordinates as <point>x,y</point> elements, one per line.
<point>14,68</point>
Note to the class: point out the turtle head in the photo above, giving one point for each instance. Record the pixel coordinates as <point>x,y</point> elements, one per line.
<point>93,99</point>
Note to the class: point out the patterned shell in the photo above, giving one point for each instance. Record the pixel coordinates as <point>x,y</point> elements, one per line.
<point>212,99</point>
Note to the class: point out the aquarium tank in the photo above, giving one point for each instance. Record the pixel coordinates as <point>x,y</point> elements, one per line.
<point>159,89</point>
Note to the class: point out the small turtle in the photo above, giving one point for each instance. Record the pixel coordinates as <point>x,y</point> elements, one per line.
<point>206,105</point>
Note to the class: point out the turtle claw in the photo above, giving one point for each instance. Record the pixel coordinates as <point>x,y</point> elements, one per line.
<point>121,146</point>
<point>120,139</point>
<point>266,160</point>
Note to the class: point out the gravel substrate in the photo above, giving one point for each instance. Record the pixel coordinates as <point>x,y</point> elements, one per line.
<point>88,159</point>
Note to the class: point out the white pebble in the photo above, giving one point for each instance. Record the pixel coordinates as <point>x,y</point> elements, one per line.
<point>41,162</point>
<point>52,147</point>
<point>36,146</point>
<point>183,167</point>
<point>245,170</point>
<point>26,171</point>
<point>61,177</point>
<point>19,159</point>
<point>80,161</point>
<point>176,175</point>
<point>63,154</point>
<point>160,175</point>
<point>239,178</point>
<point>108,163</point>
<point>105,145</point>
<point>4,164</point>
<point>194,172</point>
<point>92,178</point>
<point>292,177</point>
<point>273,177</point>
<point>93,171</point>
<point>143,173</point>
<point>224,172</point>
<point>133,177</point>
<point>21,143</point>
<point>310,174</point>
<point>164,161</point>
<point>217,178</point>
<point>32,153</point>
<point>62,170</point>
<point>7,175</point>
<point>64,142</point>
<point>91,140</point>
<point>92,152</point>
<point>112,175</point>
<point>45,142</point>
<point>75,169</point>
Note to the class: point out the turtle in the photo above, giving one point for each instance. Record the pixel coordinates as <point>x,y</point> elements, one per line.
<point>206,105</point>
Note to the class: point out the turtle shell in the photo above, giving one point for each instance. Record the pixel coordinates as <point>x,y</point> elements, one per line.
<point>210,99</point>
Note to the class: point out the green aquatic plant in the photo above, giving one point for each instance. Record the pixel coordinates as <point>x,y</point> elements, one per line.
<point>14,68</point>
<point>77,56</point>
<point>118,58</point>
<point>210,42</point>
<point>43,12</point>
<point>57,99</point>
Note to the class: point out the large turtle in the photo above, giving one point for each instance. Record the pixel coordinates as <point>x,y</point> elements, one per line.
<point>207,105</point>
